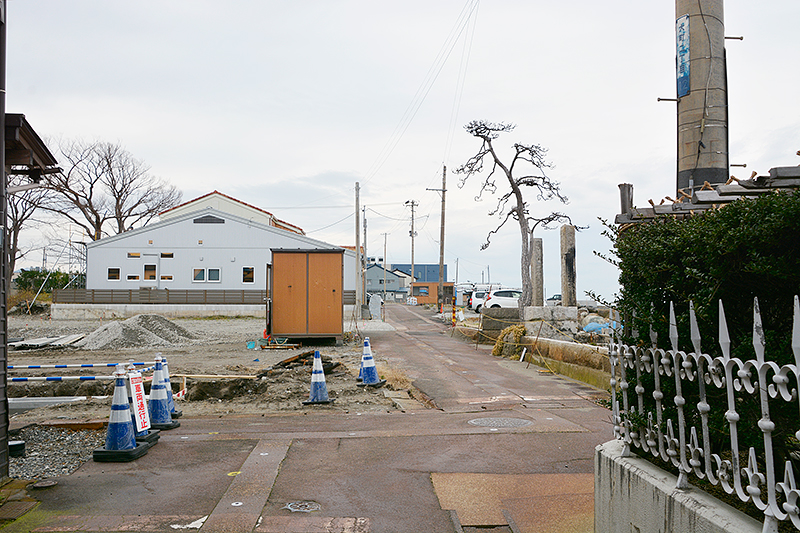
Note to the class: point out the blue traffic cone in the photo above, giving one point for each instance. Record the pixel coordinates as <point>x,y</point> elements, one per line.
<point>369,374</point>
<point>363,354</point>
<point>319,391</point>
<point>160,417</point>
<point>121,445</point>
<point>147,436</point>
<point>174,413</point>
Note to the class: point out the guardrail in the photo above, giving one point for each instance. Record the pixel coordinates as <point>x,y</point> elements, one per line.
<point>679,432</point>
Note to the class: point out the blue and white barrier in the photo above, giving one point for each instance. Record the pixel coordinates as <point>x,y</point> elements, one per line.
<point>76,365</point>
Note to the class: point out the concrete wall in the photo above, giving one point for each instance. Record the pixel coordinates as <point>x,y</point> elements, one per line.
<point>582,362</point>
<point>631,495</point>
<point>109,311</point>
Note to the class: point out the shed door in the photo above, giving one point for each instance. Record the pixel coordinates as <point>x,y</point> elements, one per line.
<point>290,293</point>
<point>325,293</point>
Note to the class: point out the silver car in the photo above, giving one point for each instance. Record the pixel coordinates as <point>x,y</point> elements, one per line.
<point>476,300</point>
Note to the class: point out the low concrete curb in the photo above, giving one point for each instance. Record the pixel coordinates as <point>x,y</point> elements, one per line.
<point>632,494</point>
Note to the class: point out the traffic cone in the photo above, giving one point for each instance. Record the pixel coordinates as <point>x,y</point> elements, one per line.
<point>147,436</point>
<point>369,374</point>
<point>319,391</point>
<point>121,445</point>
<point>363,354</point>
<point>174,413</point>
<point>160,417</point>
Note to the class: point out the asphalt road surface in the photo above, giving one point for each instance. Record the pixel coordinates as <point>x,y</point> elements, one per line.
<point>503,447</point>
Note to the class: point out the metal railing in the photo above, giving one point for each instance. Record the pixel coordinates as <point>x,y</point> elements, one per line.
<point>643,376</point>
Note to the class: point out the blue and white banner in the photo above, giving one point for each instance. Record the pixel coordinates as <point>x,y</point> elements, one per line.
<point>682,63</point>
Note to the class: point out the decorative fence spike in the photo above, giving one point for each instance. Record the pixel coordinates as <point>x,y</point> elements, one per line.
<point>673,328</point>
<point>693,329</point>
<point>758,332</point>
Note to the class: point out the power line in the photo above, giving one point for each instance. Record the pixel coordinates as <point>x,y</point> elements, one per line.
<point>424,89</point>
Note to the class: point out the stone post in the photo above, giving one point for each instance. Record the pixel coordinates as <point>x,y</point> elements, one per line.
<point>537,273</point>
<point>568,270</point>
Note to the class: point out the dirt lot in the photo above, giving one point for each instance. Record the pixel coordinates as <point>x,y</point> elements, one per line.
<point>201,353</point>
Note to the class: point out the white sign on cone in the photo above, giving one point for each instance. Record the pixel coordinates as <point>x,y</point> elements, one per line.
<point>140,414</point>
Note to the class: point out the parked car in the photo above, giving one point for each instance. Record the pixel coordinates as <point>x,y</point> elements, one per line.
<point>502,298</point>
<point>476,300</point>
<point>553,300</point>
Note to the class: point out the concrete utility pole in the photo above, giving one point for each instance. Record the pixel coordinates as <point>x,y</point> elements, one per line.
<point>702,90</point>
<point>359,273</point>
<point>364,264</point>
<point>443,190</point>
<point>412,233</point>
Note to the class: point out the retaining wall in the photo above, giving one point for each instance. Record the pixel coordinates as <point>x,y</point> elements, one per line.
<point>582,362</point>
<point>632,495</point>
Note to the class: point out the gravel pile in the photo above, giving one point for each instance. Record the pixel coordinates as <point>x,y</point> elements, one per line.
<point>53,452</point>
<point>135,332</point>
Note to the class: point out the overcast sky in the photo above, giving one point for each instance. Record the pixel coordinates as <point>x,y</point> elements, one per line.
<point>286,105</point>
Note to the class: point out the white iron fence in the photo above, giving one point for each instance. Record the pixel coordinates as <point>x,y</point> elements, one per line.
<point>645,417</point>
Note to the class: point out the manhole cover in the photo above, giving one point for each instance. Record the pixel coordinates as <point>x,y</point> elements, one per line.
<point>500,422</point>
<point>302,507</point>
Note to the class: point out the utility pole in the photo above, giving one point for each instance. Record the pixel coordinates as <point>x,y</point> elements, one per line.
<point>412,233</point>
<point>364,263</point>
<point>359,273</point>
<point>443,190</point>
<point>384,265</point>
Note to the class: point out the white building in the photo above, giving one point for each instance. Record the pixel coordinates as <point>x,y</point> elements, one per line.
<point>211,243</point>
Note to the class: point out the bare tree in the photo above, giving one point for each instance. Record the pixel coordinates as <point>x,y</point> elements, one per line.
<point>103,182</point>
<point>511,204</point>
<point>21,207</point>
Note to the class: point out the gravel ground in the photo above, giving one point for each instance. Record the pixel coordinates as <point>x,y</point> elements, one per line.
<point>53,452</point>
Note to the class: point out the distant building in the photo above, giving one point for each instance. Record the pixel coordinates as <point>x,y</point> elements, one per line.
<point>380,281</point>
<point>422,272</point>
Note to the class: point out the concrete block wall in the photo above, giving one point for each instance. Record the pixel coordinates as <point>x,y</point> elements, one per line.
<point>632,495</point>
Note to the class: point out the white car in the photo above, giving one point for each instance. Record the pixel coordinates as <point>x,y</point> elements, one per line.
<point>502,298</point>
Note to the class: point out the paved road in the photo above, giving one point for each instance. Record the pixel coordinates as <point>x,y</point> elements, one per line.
<point>506,446</point>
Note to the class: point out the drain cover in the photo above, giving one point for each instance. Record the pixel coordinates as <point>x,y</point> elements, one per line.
<point>302,507</point>
<point>500,422</point>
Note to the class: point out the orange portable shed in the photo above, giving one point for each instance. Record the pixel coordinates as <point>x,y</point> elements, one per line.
<point>307,287</point>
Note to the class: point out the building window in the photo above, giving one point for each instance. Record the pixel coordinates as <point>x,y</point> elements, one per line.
<point>134,255</point>
<point>113,273</point>
<point>166,278</point>
<point>132,277</point>
<point>199,274</point>
<point>167,255</point>
<point>248,275</point>
<point>150,272</point>
<point>213,275</point>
